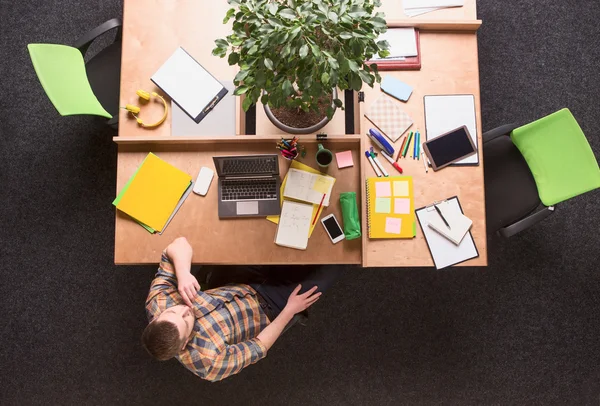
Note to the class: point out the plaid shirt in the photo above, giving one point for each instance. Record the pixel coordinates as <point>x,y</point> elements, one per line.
<point>227,321</point>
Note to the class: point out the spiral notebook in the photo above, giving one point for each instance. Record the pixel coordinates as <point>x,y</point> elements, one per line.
<point>390,207</point>
<point>387,115</point>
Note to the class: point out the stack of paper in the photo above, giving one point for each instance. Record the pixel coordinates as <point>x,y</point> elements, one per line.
<point>402,41</point>
<point>154,193</point>
<point>417,7</point>
<point>315,207</point>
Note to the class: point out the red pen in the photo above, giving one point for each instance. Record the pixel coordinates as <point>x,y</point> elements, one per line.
<point>391,160</point>
<point>318,210</point>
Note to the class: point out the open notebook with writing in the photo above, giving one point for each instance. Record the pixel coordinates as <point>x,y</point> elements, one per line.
<point>443,251</point>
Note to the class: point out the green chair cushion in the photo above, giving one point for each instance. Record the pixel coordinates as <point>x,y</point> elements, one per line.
<point>559,157</point>
<point>61,71</point>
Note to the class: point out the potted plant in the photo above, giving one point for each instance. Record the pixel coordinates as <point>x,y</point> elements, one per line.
<point>294,54</point>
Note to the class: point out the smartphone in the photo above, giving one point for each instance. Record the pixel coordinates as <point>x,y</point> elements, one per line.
<point>333,228</point>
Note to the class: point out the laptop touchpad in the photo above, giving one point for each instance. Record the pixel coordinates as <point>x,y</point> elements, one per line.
<point>247,208</point>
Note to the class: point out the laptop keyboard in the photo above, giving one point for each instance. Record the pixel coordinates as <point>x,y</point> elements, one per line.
<point>252,166</point>
<point>248,189</point>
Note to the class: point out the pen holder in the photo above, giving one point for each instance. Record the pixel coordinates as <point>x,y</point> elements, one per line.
<point>290,149</point>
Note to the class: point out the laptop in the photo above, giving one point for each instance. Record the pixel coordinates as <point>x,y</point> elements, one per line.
<point>248,185</point>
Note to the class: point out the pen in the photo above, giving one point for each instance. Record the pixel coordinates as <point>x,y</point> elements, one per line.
<point>379,174</point>
<point>391,160</point>
<point>442,216</point>
<point>424,161</point>
<point>317,213</point>
<point>379,164</point>
<point>418,145</point>
<point>407,144</point>
<point>402,148</point>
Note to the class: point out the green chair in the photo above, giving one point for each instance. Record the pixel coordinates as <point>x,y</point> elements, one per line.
<point>76,87</point>
<point>530,169</point>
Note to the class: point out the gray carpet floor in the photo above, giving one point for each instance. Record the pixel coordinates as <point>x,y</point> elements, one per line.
<point>522,331</point>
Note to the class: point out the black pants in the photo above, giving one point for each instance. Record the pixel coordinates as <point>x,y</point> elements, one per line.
<point>279,283</point>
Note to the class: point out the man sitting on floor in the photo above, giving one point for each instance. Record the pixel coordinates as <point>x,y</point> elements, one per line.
<point>217,333</point>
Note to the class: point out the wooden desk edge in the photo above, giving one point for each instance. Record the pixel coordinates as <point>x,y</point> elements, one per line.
<point>169,139</point>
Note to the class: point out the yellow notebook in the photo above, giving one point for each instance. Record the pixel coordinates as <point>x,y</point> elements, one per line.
<point>154,192</point>
<point>391,207</point>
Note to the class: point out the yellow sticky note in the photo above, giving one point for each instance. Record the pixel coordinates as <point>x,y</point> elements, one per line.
<point>322,185</point>
<point>400,188</point>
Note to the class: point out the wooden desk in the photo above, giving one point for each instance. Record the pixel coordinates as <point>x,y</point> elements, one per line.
<point>154,29</point>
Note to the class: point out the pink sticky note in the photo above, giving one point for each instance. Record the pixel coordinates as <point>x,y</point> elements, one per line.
<point>344,159</point>
<point>383,189</point>
<point>402,206</point>
<point>393,225</point>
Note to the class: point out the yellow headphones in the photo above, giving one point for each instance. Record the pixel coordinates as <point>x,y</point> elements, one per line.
<point>145,96</point>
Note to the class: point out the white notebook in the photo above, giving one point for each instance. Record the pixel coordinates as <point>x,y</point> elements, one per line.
<point>294,225</point>
<point>459,223</point>
<point>308,187</point>
<point>443,251</point>
<point>445,113</point>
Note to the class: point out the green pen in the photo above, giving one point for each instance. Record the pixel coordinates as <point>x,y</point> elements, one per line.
<point>407,144</point>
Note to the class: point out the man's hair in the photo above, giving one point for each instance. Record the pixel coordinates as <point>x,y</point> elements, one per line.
<point>161,340</point>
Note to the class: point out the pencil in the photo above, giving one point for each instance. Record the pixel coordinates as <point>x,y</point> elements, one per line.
<point>407,145</point>
<point>401,148</point>
<point>319,209</point>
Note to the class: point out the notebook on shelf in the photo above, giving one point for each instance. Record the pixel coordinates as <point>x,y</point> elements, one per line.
<point>390,207</point>
<point>386,114</point>
<point>444,252</point>
<point>402,55</point>
<point>294,225</point>
<point>189,85</point>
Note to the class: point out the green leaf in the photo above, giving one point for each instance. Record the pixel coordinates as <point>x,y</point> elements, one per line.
<point>234,57</point>
<point>330,112</point>
<point>240,90</point>
<point>246,103</point>
<point>345,35</point>
<point>287,88</point>
<point>273,8</point>
<point>325,78</point>
<point>333,63</point>
<point>253,50</point>
<point>229,14</point>
<point>333,17</point>
<point>324,9</point>
<point>353,65</point>
<point>268,64</point>
<point>383,44</point>
<point>366,78</point>
<point>337,102</point>
<point>378,22</point>
<point>355,82</point>
<point>274,22</point>
<point>241,75</point>
<point>288,13</point>
<point>264,99</point>
<point>357,12</point>
<point>303,51</point>
<point>221,43</point>
<point>316,51</point>
<point>310,19</point>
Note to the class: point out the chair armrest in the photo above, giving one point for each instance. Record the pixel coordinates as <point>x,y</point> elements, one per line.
<point>498,132</point>
<point>526,222</point>
<point>84,42</point>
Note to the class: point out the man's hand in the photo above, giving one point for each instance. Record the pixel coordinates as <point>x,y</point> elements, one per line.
<point>297,303</point>
<point>188,288</point>
<point>180,253</point>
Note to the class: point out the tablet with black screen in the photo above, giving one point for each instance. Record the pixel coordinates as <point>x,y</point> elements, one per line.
<point>449,148</point>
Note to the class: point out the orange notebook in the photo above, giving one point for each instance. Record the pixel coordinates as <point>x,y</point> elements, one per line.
<point>391,207</point>
<point>154,192</point>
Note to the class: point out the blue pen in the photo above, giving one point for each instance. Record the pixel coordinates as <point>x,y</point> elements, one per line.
<point>415,146</point>
<point>375,168</point>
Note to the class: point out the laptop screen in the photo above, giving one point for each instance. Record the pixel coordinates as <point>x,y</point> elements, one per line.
<point>247,165</point>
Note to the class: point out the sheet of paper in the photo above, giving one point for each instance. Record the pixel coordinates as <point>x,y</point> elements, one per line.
<point>400,188</point>
<point>402,42</point>
<point>308,187</point>
<point>294,225</point>
<point>401,206</point>
<point>412,4</point>
<point>413,12</point>
<point>344,159</point>
<point>383,189</point>
<point>383,205</point>
<point>444,113</point>
<point>393,225</point>
<point>443,251</point>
